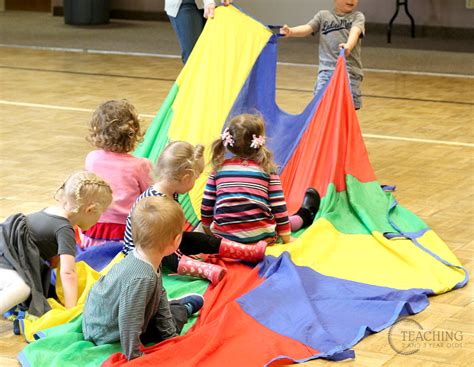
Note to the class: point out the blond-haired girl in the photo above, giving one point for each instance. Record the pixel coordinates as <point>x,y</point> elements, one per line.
<point>243,200</point>
<point>115,130</point>
<point>30,245</point>
<point>177,169</point>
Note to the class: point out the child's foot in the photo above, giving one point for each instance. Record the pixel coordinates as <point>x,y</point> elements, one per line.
<point>240,251</point>
<point>200,269</point>
<point>388,188</point>
<point>309,208</point>
<point>311,201</point>
<point>16,327</point>
<point>192,301</point>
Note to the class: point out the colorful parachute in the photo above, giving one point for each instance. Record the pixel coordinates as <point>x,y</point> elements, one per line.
<point>232,70</point>
<point>363,263</point>
<point>363,252</point>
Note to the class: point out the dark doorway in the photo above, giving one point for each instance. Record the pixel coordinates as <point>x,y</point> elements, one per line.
<point>30,5</point>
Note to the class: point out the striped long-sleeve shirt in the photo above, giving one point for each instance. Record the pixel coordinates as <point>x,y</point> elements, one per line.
<point>122,303</point>
<point>127,239</point>
<point>243,203</point>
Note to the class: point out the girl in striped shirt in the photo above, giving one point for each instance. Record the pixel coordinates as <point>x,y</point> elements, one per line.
<point>243,200</point>
<point>177,169</point>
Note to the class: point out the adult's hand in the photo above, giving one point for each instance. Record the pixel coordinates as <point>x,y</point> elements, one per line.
<point>209,10</point>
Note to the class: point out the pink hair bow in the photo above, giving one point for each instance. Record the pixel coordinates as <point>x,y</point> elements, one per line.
<point>257,141</point>
<point>227,138</point>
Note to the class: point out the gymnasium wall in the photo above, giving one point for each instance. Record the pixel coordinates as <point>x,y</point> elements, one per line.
<point>436,13</point>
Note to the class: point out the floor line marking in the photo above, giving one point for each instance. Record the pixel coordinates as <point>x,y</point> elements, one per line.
<point>172,80</point>
<point>53,107</point>
<point>388,71</point>
<point>171,56</point>
<point>374,136</point>
<point>417,140</point>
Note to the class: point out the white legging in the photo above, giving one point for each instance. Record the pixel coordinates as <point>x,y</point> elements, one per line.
<point>13,290</point>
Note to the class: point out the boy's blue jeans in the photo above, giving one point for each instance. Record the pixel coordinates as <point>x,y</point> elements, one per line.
<point>355,80</point>
<point>188,25</point>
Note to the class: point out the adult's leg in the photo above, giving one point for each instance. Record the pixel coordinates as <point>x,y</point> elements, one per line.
<point>13,290</point>
<point>188,25</point>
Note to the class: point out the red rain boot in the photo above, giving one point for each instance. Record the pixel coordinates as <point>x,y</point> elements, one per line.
<point>200,269</point>
<point>235,250</point>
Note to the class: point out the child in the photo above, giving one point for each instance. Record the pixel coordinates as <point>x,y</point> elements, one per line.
<point>129,303</point>
<point>177,169</point>
<point>341,28</point>
<point>243,200</point>
<point>28,243</point>
<point>115,130</point>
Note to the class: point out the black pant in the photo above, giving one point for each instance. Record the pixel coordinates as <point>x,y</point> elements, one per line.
<point>180,318</point>
<point>193,243</point>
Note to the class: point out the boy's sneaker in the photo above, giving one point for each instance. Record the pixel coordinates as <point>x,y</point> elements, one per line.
<point>16,327</point>
<point>192,301</point>
<point>388,188</point>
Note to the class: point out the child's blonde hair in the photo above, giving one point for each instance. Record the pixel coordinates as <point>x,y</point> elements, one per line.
<point>84,188</point>
<point>156,220</point>
<point>115,127</point>
<point>245,138</point>
<point>179,158</point>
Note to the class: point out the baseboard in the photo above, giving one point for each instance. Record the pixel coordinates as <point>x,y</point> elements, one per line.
<point>422,30</point>
<point>138,15</point>
<point>124,14</point>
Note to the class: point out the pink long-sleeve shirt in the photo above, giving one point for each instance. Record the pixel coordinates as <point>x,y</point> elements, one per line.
<point>128,176</point>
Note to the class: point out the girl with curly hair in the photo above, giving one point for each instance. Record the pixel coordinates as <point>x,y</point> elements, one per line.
<point>115,130</point>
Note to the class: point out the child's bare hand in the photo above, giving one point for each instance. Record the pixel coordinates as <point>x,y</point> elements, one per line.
<point>347,49</point>
<point>288,239</point>
<point>285,30</point>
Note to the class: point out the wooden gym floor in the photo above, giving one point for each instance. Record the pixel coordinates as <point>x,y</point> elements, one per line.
<point>418,130</point>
